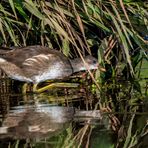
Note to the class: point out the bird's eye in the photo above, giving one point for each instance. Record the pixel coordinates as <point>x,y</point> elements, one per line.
<point>94,61</point>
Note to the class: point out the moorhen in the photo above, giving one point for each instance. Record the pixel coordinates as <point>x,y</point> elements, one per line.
<point>38,63</point>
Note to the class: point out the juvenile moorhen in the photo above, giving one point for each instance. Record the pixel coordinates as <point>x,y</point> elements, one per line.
<point>38,63</point>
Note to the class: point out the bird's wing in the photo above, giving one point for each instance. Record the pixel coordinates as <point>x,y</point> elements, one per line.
<point>38,63</point>
<point>19,55</point>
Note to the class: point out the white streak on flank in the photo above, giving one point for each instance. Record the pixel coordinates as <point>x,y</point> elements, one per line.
<point>31,59</point>
<point>2,60</point>
<point>34,128</point>
<point>27,63</point>
<point>35,58</point>
<point>41,56</point>
<point>50,55</point>
<point>3,130</point>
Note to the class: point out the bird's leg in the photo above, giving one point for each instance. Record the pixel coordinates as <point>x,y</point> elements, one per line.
<point>61,85</point>
<point>24,89</point>
<point>35,87</point>
<point>24,92</point>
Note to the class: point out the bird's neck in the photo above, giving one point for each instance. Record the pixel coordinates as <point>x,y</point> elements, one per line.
<point>77,65</point>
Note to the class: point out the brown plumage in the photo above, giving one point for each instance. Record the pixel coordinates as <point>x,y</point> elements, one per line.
<point>38,63</point>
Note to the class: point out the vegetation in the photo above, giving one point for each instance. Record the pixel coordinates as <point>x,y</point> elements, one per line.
<point>114,31</point>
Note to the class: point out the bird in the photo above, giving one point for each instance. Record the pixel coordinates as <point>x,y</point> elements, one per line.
<point>38,63</point>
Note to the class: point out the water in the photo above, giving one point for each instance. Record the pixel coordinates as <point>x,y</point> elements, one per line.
<point>73,117</point>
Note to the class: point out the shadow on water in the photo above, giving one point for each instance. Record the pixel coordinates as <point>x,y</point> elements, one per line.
<point>66,118</point>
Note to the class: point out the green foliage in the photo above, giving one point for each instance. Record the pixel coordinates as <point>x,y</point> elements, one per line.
<point>115,31</point>
<point>76,25</point>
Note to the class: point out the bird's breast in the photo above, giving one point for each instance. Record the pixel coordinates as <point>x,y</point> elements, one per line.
<point>55,71</point>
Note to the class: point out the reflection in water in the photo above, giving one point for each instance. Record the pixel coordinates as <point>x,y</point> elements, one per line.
<point>31,118</point>
<point>36,121</point>
<point>42,120</point>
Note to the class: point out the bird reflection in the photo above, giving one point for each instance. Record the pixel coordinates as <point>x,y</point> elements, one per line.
<point>37,121</point>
